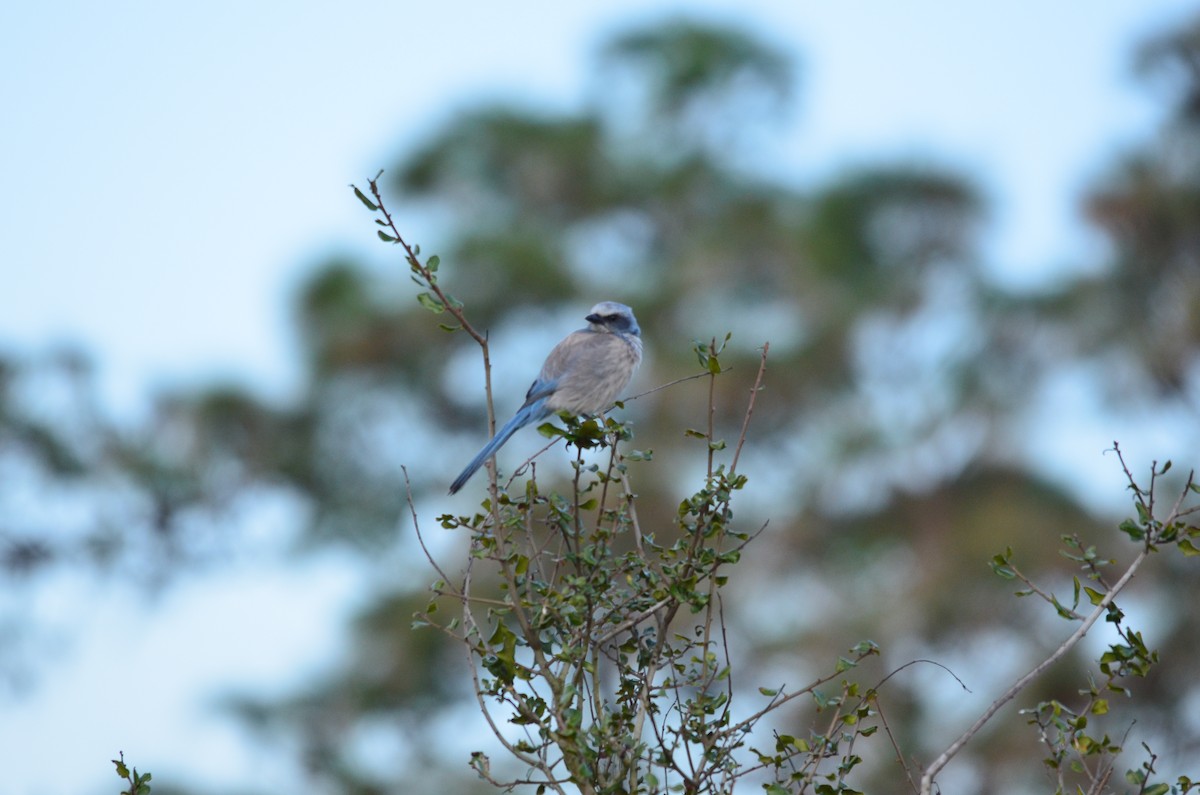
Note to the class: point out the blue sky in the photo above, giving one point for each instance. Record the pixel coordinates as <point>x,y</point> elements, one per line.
<point>172,170</point>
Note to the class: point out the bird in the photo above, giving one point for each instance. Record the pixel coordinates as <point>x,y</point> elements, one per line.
<point>583,374</point>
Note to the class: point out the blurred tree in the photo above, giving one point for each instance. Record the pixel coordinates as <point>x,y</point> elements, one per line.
<point>884,452</point>
<point>1145,308</point>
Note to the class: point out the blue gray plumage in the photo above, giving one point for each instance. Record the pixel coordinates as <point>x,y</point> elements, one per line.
<point>584,374</point>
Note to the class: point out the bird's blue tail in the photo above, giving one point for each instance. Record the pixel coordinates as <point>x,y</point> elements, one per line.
<point>523,417</point>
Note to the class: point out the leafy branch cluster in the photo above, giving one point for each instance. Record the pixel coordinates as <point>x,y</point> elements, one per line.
<point>1076,750</point>
<point>139,783</point>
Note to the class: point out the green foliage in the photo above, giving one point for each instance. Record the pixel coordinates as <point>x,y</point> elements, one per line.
<point>605,634</point>
<point>1077,744</point>
<point>139,783</point>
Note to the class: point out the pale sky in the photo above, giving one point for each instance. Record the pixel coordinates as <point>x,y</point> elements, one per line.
<point>172,170</point>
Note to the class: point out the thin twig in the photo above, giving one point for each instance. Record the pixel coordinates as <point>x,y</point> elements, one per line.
<point>780,698</point>
<point>887,729</point>
<point>1048,597</point>
<point>633,621</point>
<point>412,508</point>
<point>911,663</point>
<point>667,385</point>
<point>754,390</point>
<point>631,507</point>
<point>449,302</point>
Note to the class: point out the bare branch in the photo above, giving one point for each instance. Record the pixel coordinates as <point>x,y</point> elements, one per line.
<point>754,390</point>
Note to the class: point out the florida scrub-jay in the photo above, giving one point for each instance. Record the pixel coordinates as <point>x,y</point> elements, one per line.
<point>584,374</point>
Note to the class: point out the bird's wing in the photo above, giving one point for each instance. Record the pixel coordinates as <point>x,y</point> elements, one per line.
<point>558,364</point>
<point>540,389</point>
<point>560,359</point>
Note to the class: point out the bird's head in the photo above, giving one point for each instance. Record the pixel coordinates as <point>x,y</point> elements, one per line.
<point>613,317</point>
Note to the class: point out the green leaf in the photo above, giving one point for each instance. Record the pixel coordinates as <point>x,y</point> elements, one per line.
<point>432,263</point>
<point>1000,564</point>
<point>384,236</point>
<point>362,197</point>
<point>550,430</point>
<point>865,647</point>
<point>1094,596</point>
<point>768,691</point>
<point>1188,548</point>
<point>1061,609</point>
<point>501,663</point>
<point>1131,529</point>
<point>431,302</point>
<point>999,567</point>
